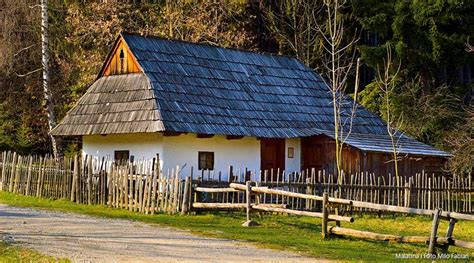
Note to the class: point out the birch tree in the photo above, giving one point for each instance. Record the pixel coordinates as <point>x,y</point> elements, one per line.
<point>48,100</point>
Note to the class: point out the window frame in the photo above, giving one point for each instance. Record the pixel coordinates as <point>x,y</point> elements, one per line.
<point>209,160</point>
<point>121,152</point>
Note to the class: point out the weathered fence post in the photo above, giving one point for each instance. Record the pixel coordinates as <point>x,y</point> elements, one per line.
<point>434,231</point>
<point>185,207</point>
<point>156,167</point>
<point>449,234</point>
<point>324,227</point>
<point>28,179</point>
<point>74,178</point>
<point>12,173</point>
<point>89,180</point>
<point>39,184</point>
<point>248,190</point>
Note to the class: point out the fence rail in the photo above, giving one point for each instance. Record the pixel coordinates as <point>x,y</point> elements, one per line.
<point>334,204</point>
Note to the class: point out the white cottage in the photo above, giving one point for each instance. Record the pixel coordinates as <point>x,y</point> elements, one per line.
<point>209,107</point>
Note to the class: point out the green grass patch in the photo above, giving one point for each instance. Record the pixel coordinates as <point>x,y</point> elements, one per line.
<point>292,233</point>
<point>10,253</point>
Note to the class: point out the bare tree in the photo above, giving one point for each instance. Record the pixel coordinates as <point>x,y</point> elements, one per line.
<point>386,80</point>
<point>294,25</point>
<point>48,101</point>
<point>316,32</point>
<point>339,63</point>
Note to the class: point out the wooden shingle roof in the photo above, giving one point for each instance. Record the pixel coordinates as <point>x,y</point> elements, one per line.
<point>196,88</point>
<point>114,104</point>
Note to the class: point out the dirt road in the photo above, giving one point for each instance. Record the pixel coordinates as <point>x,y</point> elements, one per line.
<point>90,239</point>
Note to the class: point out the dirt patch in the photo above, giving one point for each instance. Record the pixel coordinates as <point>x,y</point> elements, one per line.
<point>84,238</point>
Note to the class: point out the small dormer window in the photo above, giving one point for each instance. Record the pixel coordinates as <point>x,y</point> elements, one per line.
<point>121,61</point>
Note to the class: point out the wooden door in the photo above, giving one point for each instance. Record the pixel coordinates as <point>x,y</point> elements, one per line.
<point>272,156</point>
<point>312,153</point>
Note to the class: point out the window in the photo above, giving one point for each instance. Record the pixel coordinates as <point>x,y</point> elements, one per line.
<point>122,66</point>
<point>121,156</point>
<point>206,160</point>
<point>291,152</point>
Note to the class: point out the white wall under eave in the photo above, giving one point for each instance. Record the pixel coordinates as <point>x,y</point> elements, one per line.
<point>293,164</point>
<point>183,150</point>
<point>141,145</point>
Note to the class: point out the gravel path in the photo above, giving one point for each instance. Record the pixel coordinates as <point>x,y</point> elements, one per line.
<point>90,239</point>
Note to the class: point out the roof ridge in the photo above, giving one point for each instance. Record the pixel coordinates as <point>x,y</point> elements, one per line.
<point>257,52</point>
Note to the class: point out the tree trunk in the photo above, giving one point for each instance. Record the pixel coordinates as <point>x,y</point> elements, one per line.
<point>48,102</point>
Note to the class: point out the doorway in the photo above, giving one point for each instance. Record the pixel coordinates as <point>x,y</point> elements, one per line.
<point>272,156</point>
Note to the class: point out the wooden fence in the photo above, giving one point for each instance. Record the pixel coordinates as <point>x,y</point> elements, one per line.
<point>139,186</point>
<point>134,186</point>
<point>253,202</point>
<point>423,191</point>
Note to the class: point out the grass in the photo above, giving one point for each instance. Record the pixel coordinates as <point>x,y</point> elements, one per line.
<point>9,253</point>
<point>292,233</point>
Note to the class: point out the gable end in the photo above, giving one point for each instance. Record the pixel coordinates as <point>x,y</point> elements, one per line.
<point>120,60</point>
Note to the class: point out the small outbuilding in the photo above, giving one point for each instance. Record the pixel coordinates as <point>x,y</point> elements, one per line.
<point>209,107</point>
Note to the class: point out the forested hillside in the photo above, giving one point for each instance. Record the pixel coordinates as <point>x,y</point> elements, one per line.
<point>432,97</point>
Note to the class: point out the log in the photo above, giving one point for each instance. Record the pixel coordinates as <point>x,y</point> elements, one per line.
<point>463,244</point>
<point>240,187</point>
<point>457,216</point>
<point>234,205</point>
<point>399,209</point>
<point>273,205</point>
<point>266,190</point>
<point>220,205</point>
<point>302,213</point>
<point>215,190</point>
<point>376,236</point>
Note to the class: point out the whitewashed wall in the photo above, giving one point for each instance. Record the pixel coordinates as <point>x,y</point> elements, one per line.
<point>241,153</point>
<point>140,145</point>
<point>183,150</point>
<point>293,164</point>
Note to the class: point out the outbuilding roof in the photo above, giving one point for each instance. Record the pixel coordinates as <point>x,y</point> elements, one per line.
<point>187,87</point>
